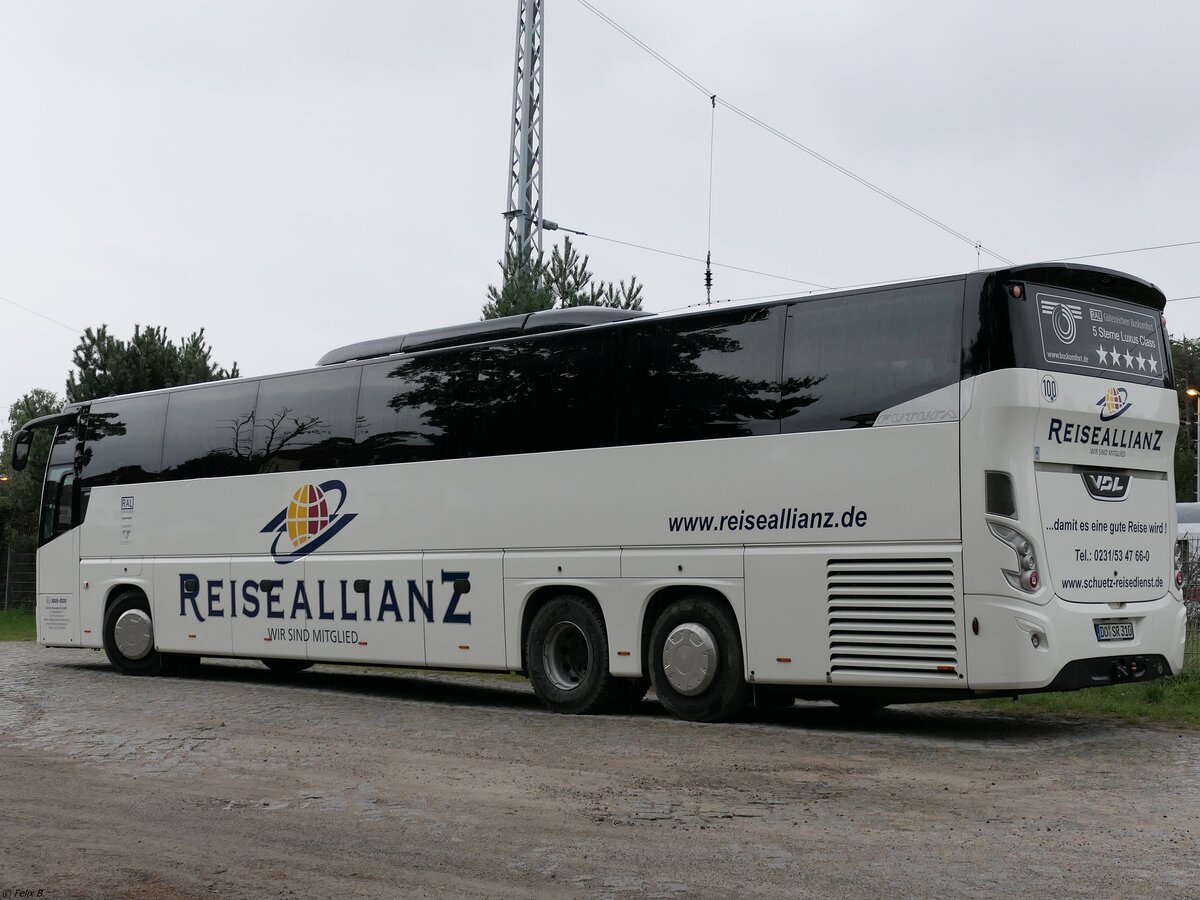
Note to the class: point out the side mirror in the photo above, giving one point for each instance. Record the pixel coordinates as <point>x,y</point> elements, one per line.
<point>20,449</point>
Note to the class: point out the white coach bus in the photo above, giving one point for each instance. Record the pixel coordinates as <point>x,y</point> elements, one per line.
<point>940,489</point>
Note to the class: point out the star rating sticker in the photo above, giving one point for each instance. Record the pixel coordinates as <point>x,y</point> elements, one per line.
<point>1116,355</point>
<point>1102,353</point>
<point>1129,359</point>
<point>1154,365</point>
<point>1141,362</point>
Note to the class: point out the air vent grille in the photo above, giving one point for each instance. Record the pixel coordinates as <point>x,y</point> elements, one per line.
<point>893,616</point>
<point>998,489</point>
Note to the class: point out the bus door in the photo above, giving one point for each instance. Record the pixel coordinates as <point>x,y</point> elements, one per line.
<point>58,558</point>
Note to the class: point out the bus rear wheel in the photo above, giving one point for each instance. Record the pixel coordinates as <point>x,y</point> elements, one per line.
<point>696,661</point>
<point>566,655</point>
<point>129,636</point>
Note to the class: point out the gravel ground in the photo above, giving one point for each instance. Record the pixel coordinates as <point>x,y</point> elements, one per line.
<point>366,783</point>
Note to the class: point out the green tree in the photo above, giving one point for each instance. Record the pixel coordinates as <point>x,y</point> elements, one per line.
<point>535,285</point>
<point>1185,359</point>
<point>104,366</point>
<point>107,365</point>
<point>20,493</point>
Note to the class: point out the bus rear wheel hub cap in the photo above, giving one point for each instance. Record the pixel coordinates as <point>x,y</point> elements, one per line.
<point>690,658</point>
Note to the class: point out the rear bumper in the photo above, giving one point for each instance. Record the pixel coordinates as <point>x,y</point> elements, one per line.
<point>1082,673</point>
<point>1020,646</point>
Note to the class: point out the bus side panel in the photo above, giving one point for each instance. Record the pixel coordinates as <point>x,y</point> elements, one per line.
<point>786,637</point>
<point>867,615</point>
<point>268,623</point>
<point>464,625</point>
<point>100,581</point>
<point>190,605</point>
<point>384,624</point>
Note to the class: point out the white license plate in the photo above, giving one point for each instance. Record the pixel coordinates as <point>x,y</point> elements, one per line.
<point>1114,631</point>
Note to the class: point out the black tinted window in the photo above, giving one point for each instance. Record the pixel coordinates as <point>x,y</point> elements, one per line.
<point>547,393</point>
<point>124,439</point>
<point>210,431</point>
<point>395,421</point>
<point>849,358</point>
<point>694,378</point>
<point>305,421</point>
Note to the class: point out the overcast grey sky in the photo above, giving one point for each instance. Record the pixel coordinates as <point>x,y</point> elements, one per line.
<point>292,176</point>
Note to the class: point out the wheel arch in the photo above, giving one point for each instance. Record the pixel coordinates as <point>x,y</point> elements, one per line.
<point>118,589</point>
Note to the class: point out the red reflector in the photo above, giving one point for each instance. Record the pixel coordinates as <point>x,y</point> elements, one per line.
<point>1179,579</point>
<point>1016,291</point>
<point>945,668</point>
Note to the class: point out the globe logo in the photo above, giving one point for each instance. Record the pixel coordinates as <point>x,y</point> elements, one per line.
<point>307,516</point>
<point>310,519</point>
<point>1114,402</point>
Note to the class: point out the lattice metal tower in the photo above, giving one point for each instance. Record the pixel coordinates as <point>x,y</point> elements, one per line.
<point>524,215</point>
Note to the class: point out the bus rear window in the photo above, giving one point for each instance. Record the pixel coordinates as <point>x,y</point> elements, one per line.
<point>1095,336</point>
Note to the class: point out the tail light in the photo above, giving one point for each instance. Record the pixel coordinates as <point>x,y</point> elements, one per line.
<point>1026,577</point>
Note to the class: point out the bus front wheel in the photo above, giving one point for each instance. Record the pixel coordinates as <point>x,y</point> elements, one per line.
<point>696,661</point>
<point>129,636</point>
<point>566,656</point>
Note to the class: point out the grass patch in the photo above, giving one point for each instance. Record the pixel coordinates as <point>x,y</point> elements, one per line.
<point>1168,701</point>
<point>17,625</point>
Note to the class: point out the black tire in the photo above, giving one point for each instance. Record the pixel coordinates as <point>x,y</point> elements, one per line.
<point>726,693</point>
<point>287,666</point>
<point>138,663</point>
<point>566,656</point>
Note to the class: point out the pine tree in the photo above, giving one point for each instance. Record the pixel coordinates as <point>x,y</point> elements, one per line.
<point>532,286</point>
<point>107,365</point>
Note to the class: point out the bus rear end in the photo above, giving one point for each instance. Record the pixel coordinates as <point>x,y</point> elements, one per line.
<point>1068,437</point>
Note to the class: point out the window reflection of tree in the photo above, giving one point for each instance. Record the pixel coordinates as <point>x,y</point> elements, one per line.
<point>99,426</point>
<point>286,442</point>
<point>643,383</point>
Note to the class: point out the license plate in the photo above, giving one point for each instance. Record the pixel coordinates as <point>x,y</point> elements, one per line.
<point>1114,631</point>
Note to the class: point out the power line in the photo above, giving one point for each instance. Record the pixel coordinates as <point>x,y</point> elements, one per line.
<point>624,32</point>
<point>826,287</point>
<point>691,258</point>
<point>34,312</point>
<point>1131,250</point>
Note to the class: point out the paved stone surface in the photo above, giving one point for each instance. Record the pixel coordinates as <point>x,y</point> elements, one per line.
<point>350,782</point>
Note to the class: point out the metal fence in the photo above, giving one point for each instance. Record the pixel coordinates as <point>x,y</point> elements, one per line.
<point>18,578</point>
<point>1191,597</point>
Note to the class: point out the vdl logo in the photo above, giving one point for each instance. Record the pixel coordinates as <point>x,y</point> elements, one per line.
<point>1114,402</point>
<point>307,521</point>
